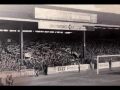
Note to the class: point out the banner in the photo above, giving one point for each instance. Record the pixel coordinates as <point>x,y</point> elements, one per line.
<point>57,25</point>
<point>103,65</point>
<point>53,14</point>
<point>83,67</point>
<point>61,69</point>
<point>72,68</point>
<point>116,64</point>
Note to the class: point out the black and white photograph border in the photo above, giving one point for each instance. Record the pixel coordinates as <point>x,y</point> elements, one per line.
<point>59,45</point>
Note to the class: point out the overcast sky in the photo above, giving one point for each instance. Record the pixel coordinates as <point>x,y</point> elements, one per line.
<point>114,8</point>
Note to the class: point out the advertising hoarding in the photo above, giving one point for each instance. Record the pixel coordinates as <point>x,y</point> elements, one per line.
<point>57,25</point>
<point>52,14</point>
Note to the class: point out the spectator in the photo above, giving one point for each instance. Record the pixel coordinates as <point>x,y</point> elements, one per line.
<point>1,83</point>
<point>9,80</point>
<point>55,53</point>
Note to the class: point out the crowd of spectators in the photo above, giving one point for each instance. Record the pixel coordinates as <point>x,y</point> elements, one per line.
<point>54,53</point>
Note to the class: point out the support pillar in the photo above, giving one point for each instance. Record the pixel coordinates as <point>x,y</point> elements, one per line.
<point>84,45</point>
<point>21,45</point>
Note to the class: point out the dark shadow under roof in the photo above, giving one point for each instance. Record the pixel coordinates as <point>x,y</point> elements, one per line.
<point>10,23</point>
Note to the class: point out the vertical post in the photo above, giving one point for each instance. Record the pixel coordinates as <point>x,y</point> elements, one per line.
<point>110,65</point>
<point>97,65</point>
<point>21,45</point>
<point>78,65</point>
<point>84,44</point>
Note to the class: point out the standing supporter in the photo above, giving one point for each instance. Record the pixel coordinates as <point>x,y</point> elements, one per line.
<point>1,83</point>
<point>9,80</point>
<point>45,66</point>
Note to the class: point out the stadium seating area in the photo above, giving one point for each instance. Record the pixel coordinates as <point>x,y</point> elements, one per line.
<point>54,53</point>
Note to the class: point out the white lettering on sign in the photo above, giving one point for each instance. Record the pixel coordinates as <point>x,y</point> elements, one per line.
<point>43,24</point>
<point>103,65</point>
<point>61,68</point>
<point>52,14</point>
<point>72,68</point>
